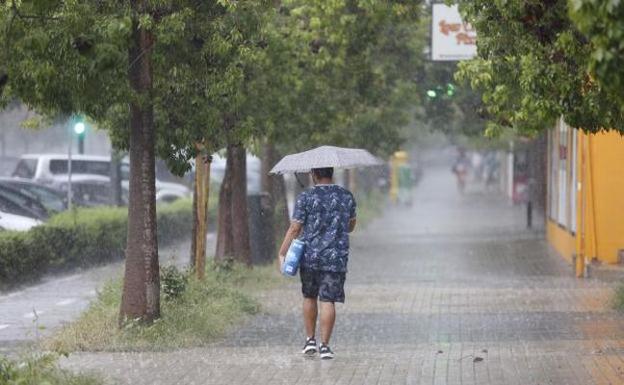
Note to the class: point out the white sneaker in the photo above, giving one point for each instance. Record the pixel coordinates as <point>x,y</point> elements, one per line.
<point>310,346</point>
<point>326,352</point>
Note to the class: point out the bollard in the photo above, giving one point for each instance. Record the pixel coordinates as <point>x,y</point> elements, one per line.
<point>529,214</point>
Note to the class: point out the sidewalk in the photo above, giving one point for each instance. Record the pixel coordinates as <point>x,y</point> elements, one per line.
<point>452,290</point>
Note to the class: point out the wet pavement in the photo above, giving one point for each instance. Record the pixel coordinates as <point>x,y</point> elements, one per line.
<point>452,290</point>
<point>31,313</point>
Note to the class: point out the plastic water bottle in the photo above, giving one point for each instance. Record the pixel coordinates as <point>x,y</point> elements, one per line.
<point>293,257</point>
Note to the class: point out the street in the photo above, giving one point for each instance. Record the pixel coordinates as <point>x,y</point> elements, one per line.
<point>452,290</point>
<point>33,312</point>
<point>483,142</point>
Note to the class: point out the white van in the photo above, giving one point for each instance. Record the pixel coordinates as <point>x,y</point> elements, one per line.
<point>52,169</point>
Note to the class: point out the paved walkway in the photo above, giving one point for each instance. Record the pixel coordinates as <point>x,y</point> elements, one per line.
<point>450,291</point>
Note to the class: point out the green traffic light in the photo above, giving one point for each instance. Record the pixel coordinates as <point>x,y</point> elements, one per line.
<point>79,128</point>
<point>431,93</point>
<point>450,89</point>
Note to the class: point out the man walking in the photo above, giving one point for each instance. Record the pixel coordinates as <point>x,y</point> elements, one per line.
<point>323,217</point>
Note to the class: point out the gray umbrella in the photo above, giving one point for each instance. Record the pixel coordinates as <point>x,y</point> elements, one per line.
<point>325,156</point>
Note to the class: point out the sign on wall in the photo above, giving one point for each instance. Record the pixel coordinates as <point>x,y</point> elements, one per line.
<point>451,38</point>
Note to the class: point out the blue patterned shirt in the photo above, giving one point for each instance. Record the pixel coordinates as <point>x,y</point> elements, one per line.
<point>325,212</point>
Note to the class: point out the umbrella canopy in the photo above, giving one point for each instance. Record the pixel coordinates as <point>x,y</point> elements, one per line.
<point>325,156</point>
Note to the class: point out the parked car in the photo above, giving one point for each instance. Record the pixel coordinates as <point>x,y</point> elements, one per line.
<point>90,190</point>
<point>14,222</point>
<point>15,202</point>
<point>52,169</point>
<point>253,165</point>
<point>52,199</point>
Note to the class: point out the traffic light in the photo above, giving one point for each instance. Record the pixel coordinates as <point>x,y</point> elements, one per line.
<point>80,128</point>
<point>441,91</point>
<point>450,89</point>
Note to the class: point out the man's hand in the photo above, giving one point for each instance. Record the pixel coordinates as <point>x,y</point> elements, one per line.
<point>281,260</point>
<point>352,223</point>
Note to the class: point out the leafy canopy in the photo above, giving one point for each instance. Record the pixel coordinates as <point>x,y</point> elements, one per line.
<point>534,66</point>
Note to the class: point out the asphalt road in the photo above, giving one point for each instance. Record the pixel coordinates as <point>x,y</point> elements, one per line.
<point>32,312</point>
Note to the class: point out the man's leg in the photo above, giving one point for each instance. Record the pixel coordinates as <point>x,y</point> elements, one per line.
<point>328,318</point>
<point>310,312</point>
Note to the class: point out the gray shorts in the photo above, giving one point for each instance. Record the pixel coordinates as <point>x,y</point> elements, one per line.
<point>327,286</point>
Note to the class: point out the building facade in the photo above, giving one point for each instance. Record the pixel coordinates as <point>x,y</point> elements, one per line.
<point>585,202</point>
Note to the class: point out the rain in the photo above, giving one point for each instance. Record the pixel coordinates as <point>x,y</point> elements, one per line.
<point>351,192</point>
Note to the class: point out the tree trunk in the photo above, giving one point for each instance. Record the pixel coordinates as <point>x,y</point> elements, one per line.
<point>240,215</point>
<point>200,214</point>
<point>268,160</point>
<point>225,242</point>
<point>233,226</point>
<point>115,176</point>
<point>4,79</point>
<point>195,222</point>
<point>282,221</point>
<point>141,289</point>
<point>275,186</point>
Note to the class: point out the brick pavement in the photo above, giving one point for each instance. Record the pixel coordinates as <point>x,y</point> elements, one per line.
<point>450,291</point>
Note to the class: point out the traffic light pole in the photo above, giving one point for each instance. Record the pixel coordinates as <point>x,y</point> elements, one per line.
<point>81,144</point>
<point>69,169</point>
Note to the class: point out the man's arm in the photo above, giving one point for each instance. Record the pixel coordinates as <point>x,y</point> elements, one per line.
<point>293,232</point>
<point>352,223</point>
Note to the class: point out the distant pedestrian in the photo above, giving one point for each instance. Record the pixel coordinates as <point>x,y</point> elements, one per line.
<point>323,217</point>
<point>461,168</point>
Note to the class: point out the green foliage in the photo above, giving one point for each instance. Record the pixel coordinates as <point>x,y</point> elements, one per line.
<point>79,238</point>
<point>353,80</point>
<point>65,57</point>
<point>533,67</point>
<point>603,24</point>
<point>173,282</point>
<point>451,108</point>
<point>42,369</point>
<point>19,259</point>
<point>446,106</point>
<point>302,73</point>
<point>201,313</point>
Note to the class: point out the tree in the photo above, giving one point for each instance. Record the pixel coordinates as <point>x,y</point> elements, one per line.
<point>602,22</point>
<point>66,58</point>
<point>141,287</point>
<point>549,58</point>
<point>125,65</point>
<point>350,81</point>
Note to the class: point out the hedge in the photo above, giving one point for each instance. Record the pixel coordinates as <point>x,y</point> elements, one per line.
<point>81,238</point>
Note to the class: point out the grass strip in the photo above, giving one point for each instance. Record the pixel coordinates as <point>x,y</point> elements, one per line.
<point>202,312</point>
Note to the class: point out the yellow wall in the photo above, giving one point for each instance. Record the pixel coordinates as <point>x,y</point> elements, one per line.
<point>600,169</point>
<point>606,165</point>
<point>562,240</point>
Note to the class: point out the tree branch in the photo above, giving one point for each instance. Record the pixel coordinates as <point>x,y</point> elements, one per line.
<point>17,13</point>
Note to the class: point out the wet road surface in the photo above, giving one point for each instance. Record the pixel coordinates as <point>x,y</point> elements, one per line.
<point>452,290</point>
<point>31,313</point>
